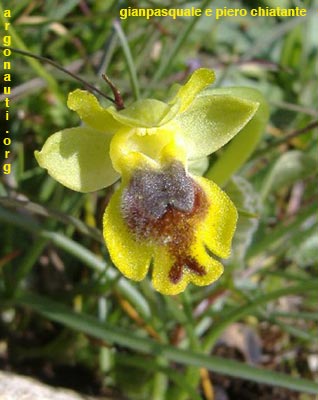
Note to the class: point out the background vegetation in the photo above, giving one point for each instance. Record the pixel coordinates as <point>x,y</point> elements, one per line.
<point>67,316</point>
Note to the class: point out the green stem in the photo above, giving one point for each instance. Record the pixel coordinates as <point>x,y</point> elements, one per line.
<point>160,382</point>
<point>28,262</point>
<point>237,152</point>
<point>192,374</point>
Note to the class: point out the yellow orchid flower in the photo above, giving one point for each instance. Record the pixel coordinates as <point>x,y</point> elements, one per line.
<point>162,216</point>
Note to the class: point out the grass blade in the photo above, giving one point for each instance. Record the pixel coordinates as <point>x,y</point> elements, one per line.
<point>111,334</point>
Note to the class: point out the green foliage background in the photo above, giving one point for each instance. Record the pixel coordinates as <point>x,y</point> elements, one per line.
<point>62,301</point>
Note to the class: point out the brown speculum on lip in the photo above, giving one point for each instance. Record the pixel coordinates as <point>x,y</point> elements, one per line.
<point>164,206</point>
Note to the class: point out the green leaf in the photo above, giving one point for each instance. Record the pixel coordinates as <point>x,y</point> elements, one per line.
<point>112,334</point>
<point>282,234</point>
<point>79,159</point>
<point>289,168</point>
<point>58,13</point>
<point>243,195</point>
<point>252,305</point>
<point>74,248</point>
<point>292,49</point>
<point>306,253</point>
<point>43,211</point>
<point>212,120</point>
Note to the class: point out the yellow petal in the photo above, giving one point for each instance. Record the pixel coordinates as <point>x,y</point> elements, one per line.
<point>199,80</point>
<point>163,214</point>
<point>91,112</point>
<point>216,230</point>
<point>130,256</point>
<point>213,268</point>
<point>164,263</point>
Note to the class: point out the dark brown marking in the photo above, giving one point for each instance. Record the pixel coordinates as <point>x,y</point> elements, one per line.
<point>195,267</point>
<point>176,271</point>
<point>164,207</point>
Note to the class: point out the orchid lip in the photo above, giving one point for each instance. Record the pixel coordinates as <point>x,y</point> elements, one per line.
<point>163,207</point>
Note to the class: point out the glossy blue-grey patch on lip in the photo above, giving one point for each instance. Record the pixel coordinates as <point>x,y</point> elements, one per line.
<point>151,192</point>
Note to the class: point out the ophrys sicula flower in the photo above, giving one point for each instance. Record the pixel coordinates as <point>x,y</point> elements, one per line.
<point>162,216</point>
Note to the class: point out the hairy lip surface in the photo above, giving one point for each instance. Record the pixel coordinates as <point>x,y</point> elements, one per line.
<point>151,192</point>
<point>164,207</point>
